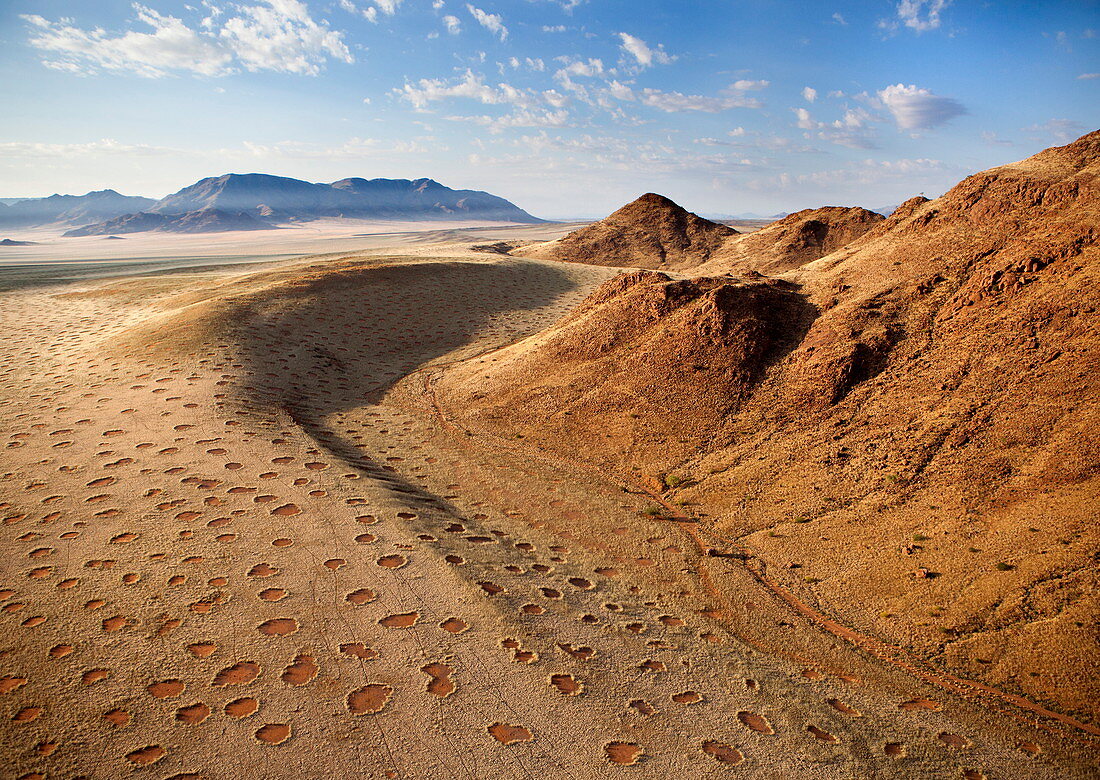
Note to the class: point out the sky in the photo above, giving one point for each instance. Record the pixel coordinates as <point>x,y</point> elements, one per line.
<point>569,108</point>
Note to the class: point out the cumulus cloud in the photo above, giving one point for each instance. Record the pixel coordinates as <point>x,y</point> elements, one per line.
<point>916,108</point>
<point>279,35</point>
<point>453,25</point>
<point>921,15</point>
<point>809,94</point>
<point>494,23</point>
<point>641,52</point>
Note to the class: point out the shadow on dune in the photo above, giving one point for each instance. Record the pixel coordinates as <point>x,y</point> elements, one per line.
<point>323,344</point>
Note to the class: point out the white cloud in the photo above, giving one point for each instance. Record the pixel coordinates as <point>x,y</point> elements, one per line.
<point>619,91</point>
<point>851,131</point>
<point>992,139</point>
<point>744,85</point>
<point>809,94</point>
<point>581,68</point>
<point>521,117</point>
<point>282,36</point>
<point>370,13</point>
<point>431,90</point>
<point>916,108</point>
<point>453,25</point>
<point>553,28</point>
<point>494,23</point>
<point>351,149</point>
<point>1084,76</point>
<point>921,15</point>
<point>105,146</point>
<point>279,35</point>
<point>677,101</point>
<point>642,54</point>
<point>861,174</point>
<point>171,46</point>
<point>839,19</point>
<point>473,87</point>
<point>1063,130</point>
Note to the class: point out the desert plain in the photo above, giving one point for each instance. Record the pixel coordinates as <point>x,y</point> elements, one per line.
<point>321,503</point>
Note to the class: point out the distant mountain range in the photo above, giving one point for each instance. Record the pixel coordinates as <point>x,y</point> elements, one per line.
<point>70,209</point>
<point>258,201</point>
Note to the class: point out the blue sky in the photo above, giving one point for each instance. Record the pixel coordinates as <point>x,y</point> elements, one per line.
<point>567,107</point>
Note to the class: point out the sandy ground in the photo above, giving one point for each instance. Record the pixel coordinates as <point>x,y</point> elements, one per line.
<point>322,235</point>
<point>243,539</point>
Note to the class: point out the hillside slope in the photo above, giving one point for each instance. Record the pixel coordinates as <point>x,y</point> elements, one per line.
<point>907,436</point>
<point>792,241</point>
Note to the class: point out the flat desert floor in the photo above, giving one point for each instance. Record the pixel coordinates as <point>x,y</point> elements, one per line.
<point>243,538</point>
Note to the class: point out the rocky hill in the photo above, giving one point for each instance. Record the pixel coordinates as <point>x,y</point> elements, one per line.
<point>650,232</point>
<point>794,240</point>
<point>906,432</point>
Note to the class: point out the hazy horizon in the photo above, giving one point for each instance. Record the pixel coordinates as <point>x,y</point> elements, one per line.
<point>567,108</point>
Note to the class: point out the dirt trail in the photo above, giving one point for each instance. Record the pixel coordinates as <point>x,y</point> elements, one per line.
<point>233,547</point>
